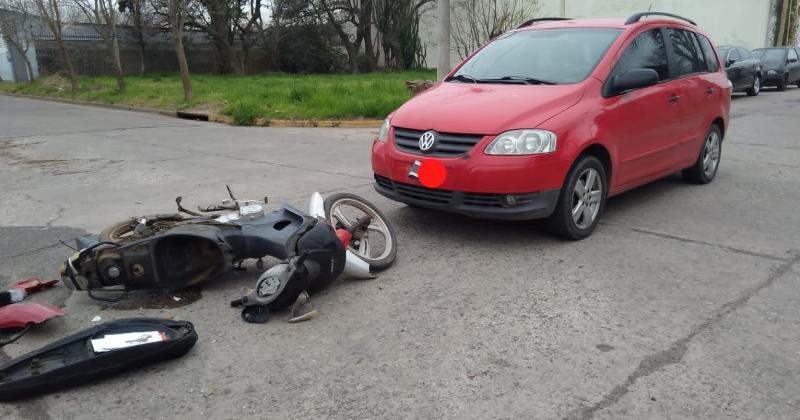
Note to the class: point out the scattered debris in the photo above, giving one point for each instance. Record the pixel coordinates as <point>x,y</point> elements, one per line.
<point>97,318</point>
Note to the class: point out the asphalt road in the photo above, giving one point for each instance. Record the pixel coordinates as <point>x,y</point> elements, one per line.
<point>683,304</point>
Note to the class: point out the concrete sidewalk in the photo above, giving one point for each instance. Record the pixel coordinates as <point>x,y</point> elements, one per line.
<point>683,304</point>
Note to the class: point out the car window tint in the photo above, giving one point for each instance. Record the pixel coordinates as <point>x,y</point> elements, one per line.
<point>708,51</point>
<point>792,55</point>
<point>646,51</point>
<point>687,59</point>
<point>746,54</point>
<point>702,65</point>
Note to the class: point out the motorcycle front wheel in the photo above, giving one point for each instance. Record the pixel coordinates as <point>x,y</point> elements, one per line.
<point>125,231</point>
<point>377,243</point>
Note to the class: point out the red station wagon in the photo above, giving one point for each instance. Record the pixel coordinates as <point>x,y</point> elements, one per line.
<point>550,119</point>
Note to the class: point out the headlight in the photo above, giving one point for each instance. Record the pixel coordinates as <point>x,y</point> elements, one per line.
<point>522,142</point>
<point>773,71</point>
<point>383,133</point>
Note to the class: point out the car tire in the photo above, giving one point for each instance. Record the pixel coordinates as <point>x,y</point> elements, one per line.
<point>756,88</point>
<point>782,84</point>
<point>588,204</point>
<point>705,168</point>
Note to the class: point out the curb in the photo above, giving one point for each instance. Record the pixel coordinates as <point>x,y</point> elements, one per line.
<point>217,118</point>
<point>96,104</point>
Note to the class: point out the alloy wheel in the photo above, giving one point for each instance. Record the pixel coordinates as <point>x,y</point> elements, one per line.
<point>586,198</point>
<point>711,154</point>
<point>757,85</point>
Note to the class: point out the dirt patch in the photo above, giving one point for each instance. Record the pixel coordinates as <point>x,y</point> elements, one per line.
<point>148,299</point>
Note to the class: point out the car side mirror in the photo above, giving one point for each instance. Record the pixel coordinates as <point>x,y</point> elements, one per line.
<point>634,79</point>
<point>792,60</point>
<point>731,62</point>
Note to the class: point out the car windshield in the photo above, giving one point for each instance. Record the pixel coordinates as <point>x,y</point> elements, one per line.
<point>723,52</point>
<point>543,56</point>
<point>772,54</point>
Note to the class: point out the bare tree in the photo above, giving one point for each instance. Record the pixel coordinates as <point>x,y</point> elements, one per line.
<point>139,16</point>
<point>216,18</point>
<point>172,14</point>
<point>50,11</point>
<point>249,27</point>
<point>16,24</point>
<point>103,14</point>
<point>477,21</point>
<point>397,22</point>
<point>357,14</point>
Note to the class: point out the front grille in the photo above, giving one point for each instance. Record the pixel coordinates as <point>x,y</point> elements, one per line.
<point>447,144</point>
<point>445,197</point>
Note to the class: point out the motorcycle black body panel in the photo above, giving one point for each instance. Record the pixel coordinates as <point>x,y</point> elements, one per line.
<point>72,359</point>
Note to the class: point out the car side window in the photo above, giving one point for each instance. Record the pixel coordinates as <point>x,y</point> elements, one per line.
<point>746,54</point>
<point>688,59</point>
<point>734,55</point>
<point>646,51</point>
<point>792,55</point>
<point>708,51</point>
<point>703,66</point>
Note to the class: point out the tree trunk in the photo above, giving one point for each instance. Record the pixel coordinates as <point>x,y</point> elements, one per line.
<point>28,67</point>
<point>369,49</point>
<point>141,59</point>
<point>779,38</point>
<point>182,64</point>
<point>73,78</point>
<point>117,63</point>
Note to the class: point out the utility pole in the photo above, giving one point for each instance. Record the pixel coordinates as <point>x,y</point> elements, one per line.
<point>444,39</point>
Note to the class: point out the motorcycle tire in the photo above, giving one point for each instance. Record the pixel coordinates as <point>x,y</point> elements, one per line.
<point>120,232</point>
<point>378,224</point>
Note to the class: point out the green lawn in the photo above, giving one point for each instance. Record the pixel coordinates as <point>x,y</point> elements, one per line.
<point>274,96</point>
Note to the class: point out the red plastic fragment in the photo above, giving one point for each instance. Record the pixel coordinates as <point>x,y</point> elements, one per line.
<point>33,284</point>
<point>18,315</point>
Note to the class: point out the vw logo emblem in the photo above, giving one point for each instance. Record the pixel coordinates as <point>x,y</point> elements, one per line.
<point>427,140</point>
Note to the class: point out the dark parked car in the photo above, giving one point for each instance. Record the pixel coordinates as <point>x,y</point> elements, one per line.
<point>744,69</point>
<point>780,66</point>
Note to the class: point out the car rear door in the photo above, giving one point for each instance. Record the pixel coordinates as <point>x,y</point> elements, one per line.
<point>748,68</point>
<point>697,93</point>
<point>641,123</point>
<point>733,65</point>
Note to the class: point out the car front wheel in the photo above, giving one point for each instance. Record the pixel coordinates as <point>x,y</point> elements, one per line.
<point>581,201</point>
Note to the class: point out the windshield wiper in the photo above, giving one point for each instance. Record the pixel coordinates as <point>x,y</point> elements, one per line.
<point>521,79</point>
<point>462,78</point>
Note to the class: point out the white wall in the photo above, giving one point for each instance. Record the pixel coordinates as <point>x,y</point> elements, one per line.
<point>729,22</point>
<point>6,72</point>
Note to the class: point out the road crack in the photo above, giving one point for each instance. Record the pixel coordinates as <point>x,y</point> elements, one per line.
<point>677,350</point>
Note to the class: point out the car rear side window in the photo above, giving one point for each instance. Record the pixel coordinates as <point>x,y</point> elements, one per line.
<point>646,51</point>
<point>792,55</point>
<point>688,59</point>
<point>708,52</point>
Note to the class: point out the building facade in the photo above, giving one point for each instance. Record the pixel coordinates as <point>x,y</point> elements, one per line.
<point>745,23</point>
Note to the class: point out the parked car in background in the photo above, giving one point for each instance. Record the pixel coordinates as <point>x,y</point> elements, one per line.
<point>780,66</point>
<point>550,119</point>
<point>743,68</point>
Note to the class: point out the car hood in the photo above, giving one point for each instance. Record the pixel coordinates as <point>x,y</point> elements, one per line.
<point>485,108</point>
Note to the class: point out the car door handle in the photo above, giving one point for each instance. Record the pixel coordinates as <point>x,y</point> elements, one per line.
<point>674,98</point>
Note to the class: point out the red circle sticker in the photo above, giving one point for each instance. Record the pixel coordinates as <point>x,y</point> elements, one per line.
<point>432,173</point>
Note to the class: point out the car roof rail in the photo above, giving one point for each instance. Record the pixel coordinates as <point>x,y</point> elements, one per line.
<point>635,18</point>
<point>537,20</point>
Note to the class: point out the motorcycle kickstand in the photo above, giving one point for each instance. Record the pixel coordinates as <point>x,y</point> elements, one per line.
<point>302,298</point>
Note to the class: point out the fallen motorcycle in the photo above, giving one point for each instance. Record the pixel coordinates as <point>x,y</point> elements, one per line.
<point>341,234</point>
